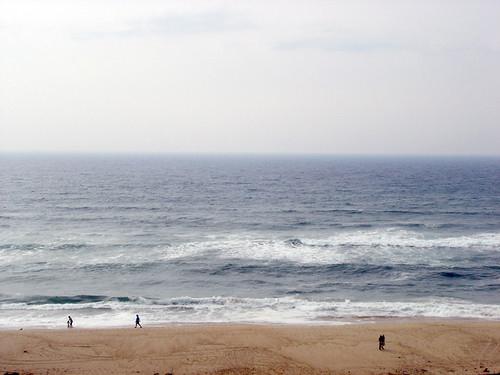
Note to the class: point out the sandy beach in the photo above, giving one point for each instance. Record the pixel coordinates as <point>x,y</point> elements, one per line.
<point>460,347</point>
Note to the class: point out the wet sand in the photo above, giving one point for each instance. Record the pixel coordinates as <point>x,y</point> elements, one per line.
<point>436,347</point>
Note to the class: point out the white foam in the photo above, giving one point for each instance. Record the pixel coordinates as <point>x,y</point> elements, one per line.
<point>236,310</point>
<point>375,247</point>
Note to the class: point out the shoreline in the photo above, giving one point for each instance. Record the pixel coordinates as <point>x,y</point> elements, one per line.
<point>414,347</point>
<point>322,323</point>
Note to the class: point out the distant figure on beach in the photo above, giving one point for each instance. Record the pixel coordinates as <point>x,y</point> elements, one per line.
<point>381,342</point>
<point>137,321</point>
<point>70,322</point>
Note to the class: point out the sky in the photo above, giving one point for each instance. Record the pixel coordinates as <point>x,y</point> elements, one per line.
<point>275,76</point>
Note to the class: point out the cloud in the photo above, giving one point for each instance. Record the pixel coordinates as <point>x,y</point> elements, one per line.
<point>174,24</point>
<point>339,44</point>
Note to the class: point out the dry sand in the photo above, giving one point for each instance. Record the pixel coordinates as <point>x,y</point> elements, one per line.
<point>412,348</point>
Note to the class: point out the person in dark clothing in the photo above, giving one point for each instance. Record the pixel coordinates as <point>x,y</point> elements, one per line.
<point>70,322</point>
<point>137,321</point>
<point>381,342</point>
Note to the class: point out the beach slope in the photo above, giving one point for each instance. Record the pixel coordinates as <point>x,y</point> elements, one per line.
<point>411,348</point>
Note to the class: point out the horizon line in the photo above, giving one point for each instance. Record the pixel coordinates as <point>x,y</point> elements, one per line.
<point>245,153</point>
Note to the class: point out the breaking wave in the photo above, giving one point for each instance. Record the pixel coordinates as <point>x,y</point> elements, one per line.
<point>393,246</point>
<point>102,311</point>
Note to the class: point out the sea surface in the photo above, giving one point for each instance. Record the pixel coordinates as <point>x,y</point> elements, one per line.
<point>282,239</point>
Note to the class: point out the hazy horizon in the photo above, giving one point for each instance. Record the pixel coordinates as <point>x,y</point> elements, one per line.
<point>250,77</point>
<point>246,154</point>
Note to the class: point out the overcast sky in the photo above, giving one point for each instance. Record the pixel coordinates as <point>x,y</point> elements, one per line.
<point>362,77</point>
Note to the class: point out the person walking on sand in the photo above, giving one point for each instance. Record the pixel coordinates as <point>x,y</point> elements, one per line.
<point>381,342</point>
<point>137,321</point>
<point>70,322</point>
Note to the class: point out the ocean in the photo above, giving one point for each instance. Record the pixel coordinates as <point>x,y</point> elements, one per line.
<point>278,239</point>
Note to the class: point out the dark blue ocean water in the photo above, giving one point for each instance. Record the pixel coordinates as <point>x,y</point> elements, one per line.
<point>246,238</point>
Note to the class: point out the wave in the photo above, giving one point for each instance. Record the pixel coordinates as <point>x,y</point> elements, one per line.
<point>332,270</point>
<point>444,212</point>
<point>63,300</point>
<point>339,210</point>
<point>96,311</point>
<point>391,246</point>
<point>294,242</point>
<point>404,238</point>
